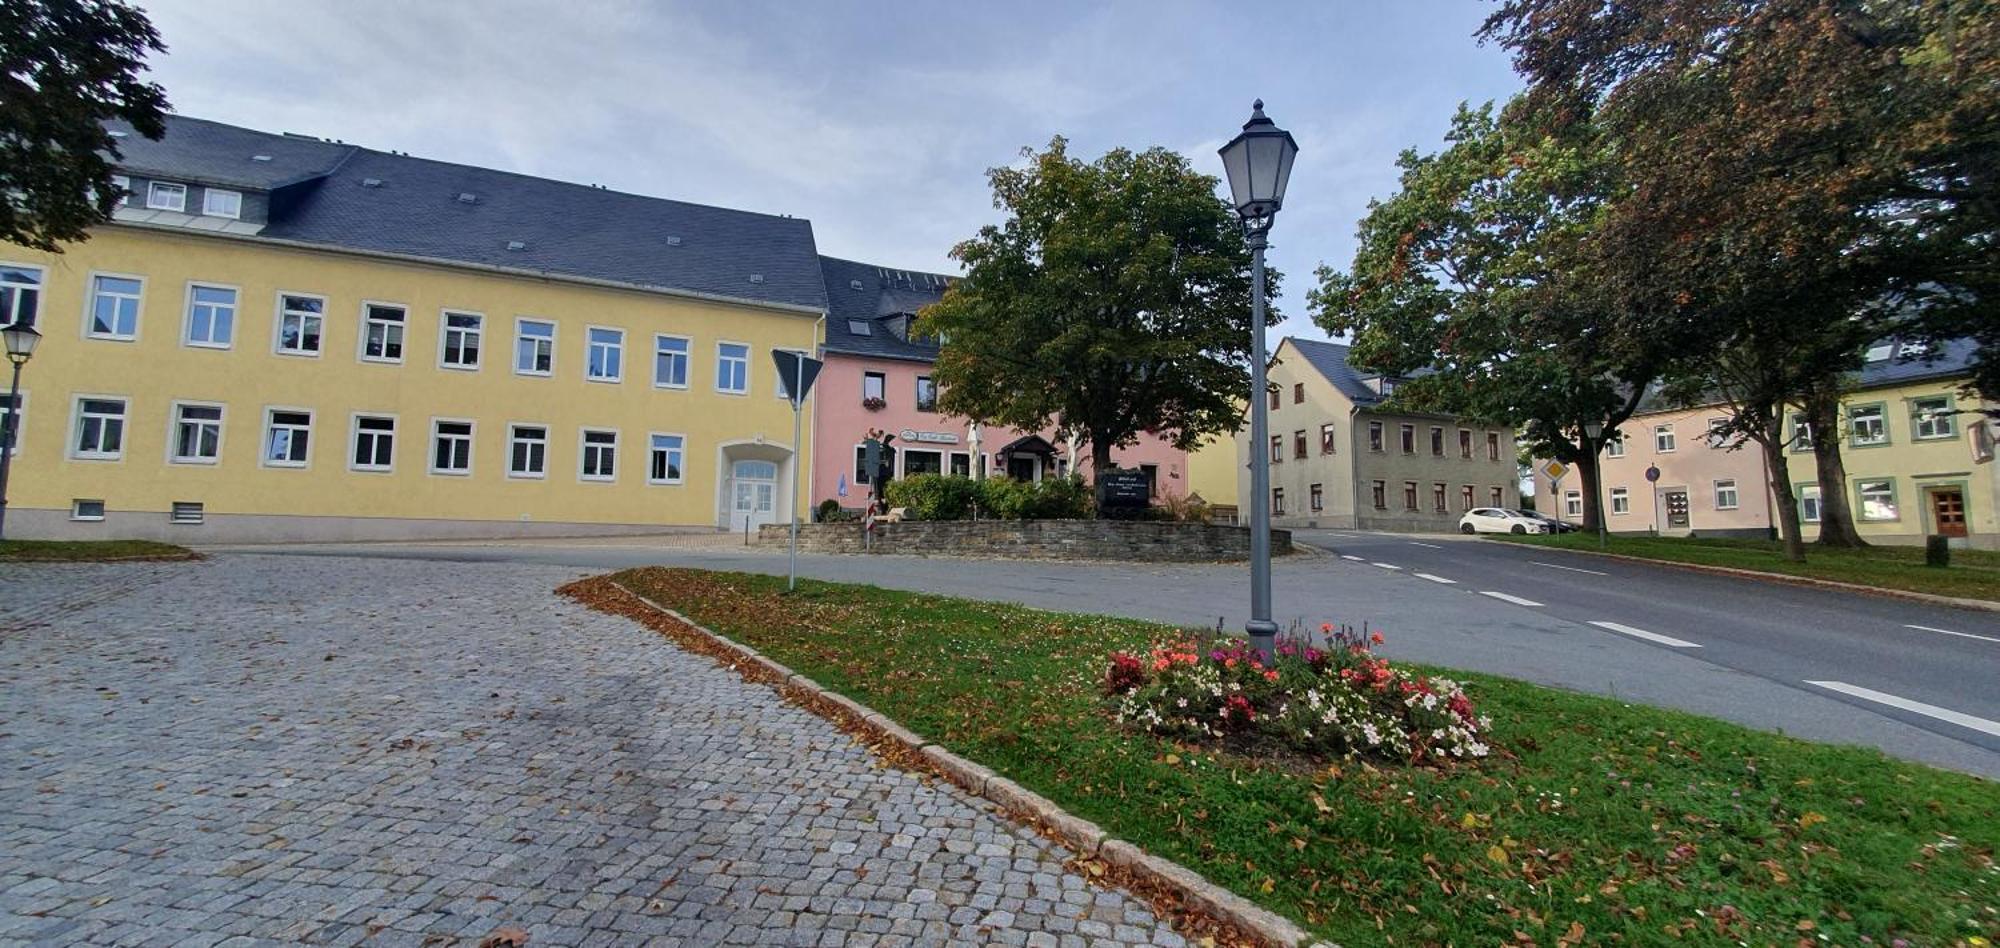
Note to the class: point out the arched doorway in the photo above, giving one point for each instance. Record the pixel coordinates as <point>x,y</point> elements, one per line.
<point>753,493</point>
<point>753,484</point>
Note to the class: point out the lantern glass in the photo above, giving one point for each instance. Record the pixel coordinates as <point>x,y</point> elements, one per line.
<point>1258,163</point>
<point>21,341</point>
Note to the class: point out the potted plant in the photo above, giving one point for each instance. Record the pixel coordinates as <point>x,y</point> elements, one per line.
<point>874,403</point>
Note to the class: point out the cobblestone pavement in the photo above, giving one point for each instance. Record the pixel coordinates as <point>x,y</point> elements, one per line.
<point>260,749</point>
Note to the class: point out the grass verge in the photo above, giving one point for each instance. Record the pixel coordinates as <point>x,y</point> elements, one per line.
<point>1600,822</point>
<point>1973,574</point>
<point>89,551</point>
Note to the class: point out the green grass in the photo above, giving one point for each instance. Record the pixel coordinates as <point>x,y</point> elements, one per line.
<point>1600,821</point>
<point>87,551</point>
<point>1973,574</point>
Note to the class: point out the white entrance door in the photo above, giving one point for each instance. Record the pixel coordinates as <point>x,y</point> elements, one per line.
<point>754,493</point>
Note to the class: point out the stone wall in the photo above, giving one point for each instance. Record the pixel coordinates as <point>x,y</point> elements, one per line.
<point>1146,540</point>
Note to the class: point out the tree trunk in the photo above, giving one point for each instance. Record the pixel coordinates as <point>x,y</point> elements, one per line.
<point>1590,471</point>
<point>1100,457</point>
<point>1773,445</point>
<point>1836,515</point>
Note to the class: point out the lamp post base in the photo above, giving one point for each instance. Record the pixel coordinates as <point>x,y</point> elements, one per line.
<point>1263,638</point>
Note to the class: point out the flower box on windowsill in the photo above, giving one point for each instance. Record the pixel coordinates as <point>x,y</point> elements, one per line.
<point>874,404</point>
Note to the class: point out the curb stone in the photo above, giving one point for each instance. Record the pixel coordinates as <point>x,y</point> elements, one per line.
<point>1079,834</point>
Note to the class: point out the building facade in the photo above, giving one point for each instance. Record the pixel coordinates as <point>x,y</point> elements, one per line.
<point>1343,457</point>
<point>284,338</point>
<point>1918,453</point>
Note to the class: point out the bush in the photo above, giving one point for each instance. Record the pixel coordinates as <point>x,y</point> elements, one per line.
<point>951,497</point>
<point>1323,698</point>
<point>1185,509</point>
<point>830,511</point>
<point>1004,498</point>
<point>934,496</point>
<point>1060,498</point>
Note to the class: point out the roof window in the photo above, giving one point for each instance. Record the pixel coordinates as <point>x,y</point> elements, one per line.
<point>467,197</point>
<point>1880,351</point>
<point>260,157</point>
<point>854,284</point>
<point>516,245</point>
<point>673,241</point>
<point>859,327</point>
<point>756,278</point>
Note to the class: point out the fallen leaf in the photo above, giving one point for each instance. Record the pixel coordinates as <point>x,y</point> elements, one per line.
<point>1497,854</point>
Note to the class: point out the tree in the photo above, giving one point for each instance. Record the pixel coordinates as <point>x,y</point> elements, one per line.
<point>1471,272</point>
<point>1114,300</point>
<point>67,67</point>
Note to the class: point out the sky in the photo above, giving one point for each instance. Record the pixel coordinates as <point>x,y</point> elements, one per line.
<point>876,121</point>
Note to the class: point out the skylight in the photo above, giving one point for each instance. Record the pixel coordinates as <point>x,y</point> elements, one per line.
<point>859,327</point>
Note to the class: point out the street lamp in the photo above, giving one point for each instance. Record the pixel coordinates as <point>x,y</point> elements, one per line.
<point>1258,162</point>
<point>21,340</point>
<point>1592,431</point>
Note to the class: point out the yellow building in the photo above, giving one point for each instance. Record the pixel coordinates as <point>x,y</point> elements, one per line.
<point>285,338</point>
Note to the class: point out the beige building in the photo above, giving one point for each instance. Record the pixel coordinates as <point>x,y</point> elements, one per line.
<point>1341,457</point>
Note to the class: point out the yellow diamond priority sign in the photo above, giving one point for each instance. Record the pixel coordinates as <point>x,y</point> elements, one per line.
<point>1554,469</point>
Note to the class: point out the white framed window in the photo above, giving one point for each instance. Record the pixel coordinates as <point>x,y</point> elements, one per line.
<point>123,185</point>
<point>114,306</point>
<point>1663,439</point>
<point>374,443</point>
<point>463,333</point>
<point>1869,424</point>
<point>451,446</point>
<point>670,361</point>
<point>216,202</point>
<point>166,196</point>
<point>20,293</point>
<point>783,386</point>
<point>527,450</point>
<point>197,435</point>
<point>1573,503</point>
<point>534,347</point>
<point>599,457</point>
<point>604,360</point>
<point>1809,503</point>
<point>1614,447</point>
<point>1725,494</point>
<point>1802,434</point>
<point>13,414</point>
<point>922,461</point>
<point>664,461</point>
<point>211,316</point>
<point>732,368</point>
<point>287,437</point>
<point>1878,499</point>
<point>926,393</point>
<point>1621,500</point>
<point>874,387</point>
<point>1933,418</point>
<point>85,509</point>
<point>100,429</point>
<point>301,316</point>
<point>1716,437</point>
<point>382,326</point>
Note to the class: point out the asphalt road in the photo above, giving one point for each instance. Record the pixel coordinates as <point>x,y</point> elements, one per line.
<point>1737,649</point>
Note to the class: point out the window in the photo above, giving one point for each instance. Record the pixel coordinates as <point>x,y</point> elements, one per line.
<point>600,455</point>
<point>1277,449</point>
<point>1437,498</point>
<point>1298,445</point>
<point>1614,446</point>
<point>1316,497</point>
<point>1274,398</point>
<point>13,411</point>
<point>926,394</point>
<point>1374,436</point>
<point>1409,495</point>
<point>1437,441</point>
<point>1725,494</point>
<point>1298,393</point>
<point>299,321</point>
<point>374,443</point>
<point>1380,493</point>
<point>287,438</point>
<point>162,196</point>
<point>451,447</point>
<point>1621,500</point>
<point>670,361</point>
<point>1465,443</point>
<point>1277,500</point>
<point>1878,499</point>
<point>1868,425</point>
<point>1717,438</point>
<point>1493,450</point>
<point>463,333</point>
<point>860,327</point>
<point>534,347</point>
<point>732,367</point>
<point>605,359</point>
<point>100,429</point>
<point>381,332</point>
<point>527,450</point>
<point>20,294</point>
<point>1497,496</point>
<point>664,465</point>
<point>1801,433</point>
<point>197,433</point>
<point>922,461</point>
<point>114,307</point>
<point>864,475</point>
<point>184,511</point>
<point>123,185</point>
<point>1409,439</point>
<point>1932,418</point>
<point>961,464</point>
<point>1809,503</point>
<point>211,316</point>
<point>81,509</point>
<point>1465,497</point>
<point>874,388</point>
<point>1326,438</point>
<point>216,202</point>
<point>1663,439</point>
<point>1573,503</point>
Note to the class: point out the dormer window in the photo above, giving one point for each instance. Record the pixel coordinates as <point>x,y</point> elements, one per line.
<point>216,202</point>
<point>165,196</point>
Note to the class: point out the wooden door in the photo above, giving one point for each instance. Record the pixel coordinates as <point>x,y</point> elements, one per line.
<point>1948,512</point>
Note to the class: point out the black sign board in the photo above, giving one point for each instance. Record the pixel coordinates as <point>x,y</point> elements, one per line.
<point>796,371</point>
<point>1123,490</point>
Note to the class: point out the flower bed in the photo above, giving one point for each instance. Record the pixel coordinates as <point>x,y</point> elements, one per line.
<point>1326,696</point>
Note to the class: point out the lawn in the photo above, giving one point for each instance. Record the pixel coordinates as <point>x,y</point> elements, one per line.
<point>1973,574</point>
<point>88,551</point>
<point>1596,822</point>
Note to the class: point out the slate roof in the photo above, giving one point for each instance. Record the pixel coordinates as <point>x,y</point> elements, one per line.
<point>884,294</point>
<point>1329,359</point>
<point>1901,363</point>
<point>565,229</point>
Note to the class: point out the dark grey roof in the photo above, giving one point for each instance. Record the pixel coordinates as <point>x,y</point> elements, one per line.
<point>1330,360</point>
<point>884,294</point>
<point>416,208</point>
<point>1896,362</point>
<point>207,152</point>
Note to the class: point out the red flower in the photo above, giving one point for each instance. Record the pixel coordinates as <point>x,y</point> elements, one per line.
<point>1376,638</point>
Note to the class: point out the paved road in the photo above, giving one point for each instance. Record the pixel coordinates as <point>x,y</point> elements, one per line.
<point>260,750</point>
<point>1759,643</point>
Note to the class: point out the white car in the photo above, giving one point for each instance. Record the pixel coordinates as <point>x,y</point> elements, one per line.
<point>1499,520</point>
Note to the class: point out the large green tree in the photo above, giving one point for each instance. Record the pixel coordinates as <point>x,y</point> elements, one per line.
<point>66,67</point>
<point>1113,300</point>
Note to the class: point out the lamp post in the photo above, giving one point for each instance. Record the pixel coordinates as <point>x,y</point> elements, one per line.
<point>1258,162</point>
<point>1593,430</point>
<point>21,341</point>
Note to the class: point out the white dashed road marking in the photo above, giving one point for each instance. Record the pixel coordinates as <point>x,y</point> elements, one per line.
<point>1648,636</point>
<point>1915,707</point>
<point>1963,635</point>
<point>1503,597</point>
<point>1436,579</point>
<point>1356,559</point>
<point>1573,569</point>
<point>1431,545</point>
<point>1386,565</point>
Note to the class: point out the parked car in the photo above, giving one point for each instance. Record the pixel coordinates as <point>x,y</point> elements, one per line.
<point>1554,525</point>
<point>1499,520</point>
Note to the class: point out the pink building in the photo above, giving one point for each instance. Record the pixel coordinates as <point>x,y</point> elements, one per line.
<point>877,376</point>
